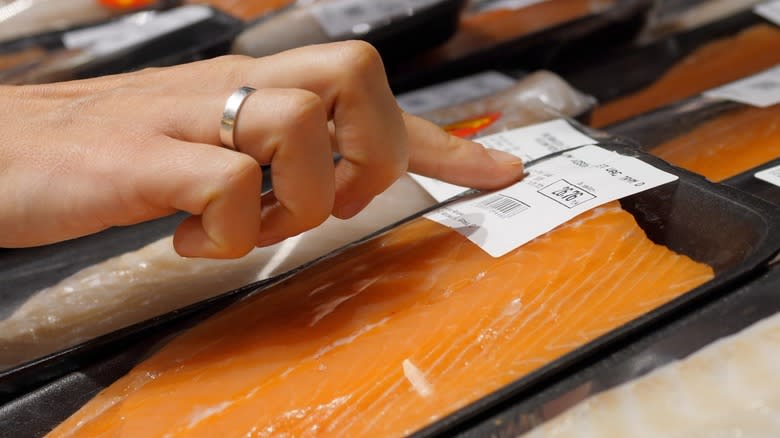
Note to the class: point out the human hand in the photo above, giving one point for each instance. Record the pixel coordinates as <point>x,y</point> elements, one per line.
<point>82,156</point>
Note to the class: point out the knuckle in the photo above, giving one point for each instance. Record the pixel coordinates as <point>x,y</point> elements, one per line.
<point>241,170</point>
<point>361,58</point>
<point>304,107</point>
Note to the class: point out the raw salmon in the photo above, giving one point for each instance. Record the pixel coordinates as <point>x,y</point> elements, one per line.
<point>727,389</point>
<point>154,280</point>
<point>246,9</point>
<point>728,145</point>
<point>392,334</point>
<point>717,63</point>
<point>487,29</point>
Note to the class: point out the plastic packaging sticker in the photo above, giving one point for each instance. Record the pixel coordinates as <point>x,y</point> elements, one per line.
<point>769,10</point>
<point>771,175</point>
<point>339,18</point>
<point>529,143</point>
<point>761,90</point>
<point>454,92</point>
<point>554,192</point>
<point>134,29</point>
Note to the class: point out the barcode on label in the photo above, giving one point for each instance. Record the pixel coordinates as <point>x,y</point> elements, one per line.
<point>566,193</point>
<point>503,206</point>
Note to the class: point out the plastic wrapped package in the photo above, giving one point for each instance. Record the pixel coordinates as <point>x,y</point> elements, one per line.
<point>392,25</point>
<point>140,39</point>
<point>482,30</point>
<point>246,9</point>
<point>154,280</point>
<point>393,333</point>
<point>21,18</point>
<point>708,135</point>
<point>673,16</point>
<point>716,63</point>
<point>538,96</point>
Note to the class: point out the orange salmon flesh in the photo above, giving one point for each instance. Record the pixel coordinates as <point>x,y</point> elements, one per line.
<point>717,63</point>
<point>392,334</point>
<point>727,145</point>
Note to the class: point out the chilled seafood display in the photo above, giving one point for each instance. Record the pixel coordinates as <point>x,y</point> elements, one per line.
<point>714,64</point>
<point>729,388</point>
<point>727,145</point>
<point>393,333</point>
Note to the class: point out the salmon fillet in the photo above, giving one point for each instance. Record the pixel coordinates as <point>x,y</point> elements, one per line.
<point>392,334</point>
<point>729,388</point>
<point>714,64</point>
<point>727,145</point>
<point>480,31</point>
<point>243,9</point>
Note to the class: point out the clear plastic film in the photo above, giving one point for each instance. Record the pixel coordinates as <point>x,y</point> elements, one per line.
<point>325,21</point>
<point>710,135</point>
<point>246,10</point>
<point>21,18</point>
<point>155,280</point>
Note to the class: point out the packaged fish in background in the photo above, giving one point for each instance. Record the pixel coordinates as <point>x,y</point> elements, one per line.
<point>720,134</point>
<point>672,16</point>
<point>22,18</point>
<point>747,49</point>
<point>246,10</point>
<point>398,28</point>
<point>391,334</point>
<point>154,280</point>
<point>520,35</point>
<point>134,41</point>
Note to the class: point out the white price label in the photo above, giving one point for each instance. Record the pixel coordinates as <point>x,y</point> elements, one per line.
<point>554,192</point>
<point>134,29</point>
<point>761,90</point>
<point>771,175</point>
<point>529,143</point>
<point>339,18</point>
<point>454,92</point>
<point>769,10</point>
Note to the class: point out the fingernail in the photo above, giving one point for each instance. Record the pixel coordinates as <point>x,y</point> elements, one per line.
<point>505,157</point>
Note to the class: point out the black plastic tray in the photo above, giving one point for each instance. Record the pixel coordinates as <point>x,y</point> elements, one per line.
<point>732,313</point>
<point>688,216</point>
<point>539,50</point>
<point>608,74</point>
<point>747,182</point>
<point>206,39</point>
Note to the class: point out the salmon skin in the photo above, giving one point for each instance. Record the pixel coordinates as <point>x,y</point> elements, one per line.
<point>393,334</point>
<point>714,64</point>
<point>727,145</point>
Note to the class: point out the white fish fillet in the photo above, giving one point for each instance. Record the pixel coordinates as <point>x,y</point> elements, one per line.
<point>730,388</point>
<point>21,18</point>
<point>154,280</point>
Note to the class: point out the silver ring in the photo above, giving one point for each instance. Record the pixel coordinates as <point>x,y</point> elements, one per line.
<point>227,126</point>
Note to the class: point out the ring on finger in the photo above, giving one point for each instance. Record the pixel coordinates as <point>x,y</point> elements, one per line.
<point>227,126</point>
